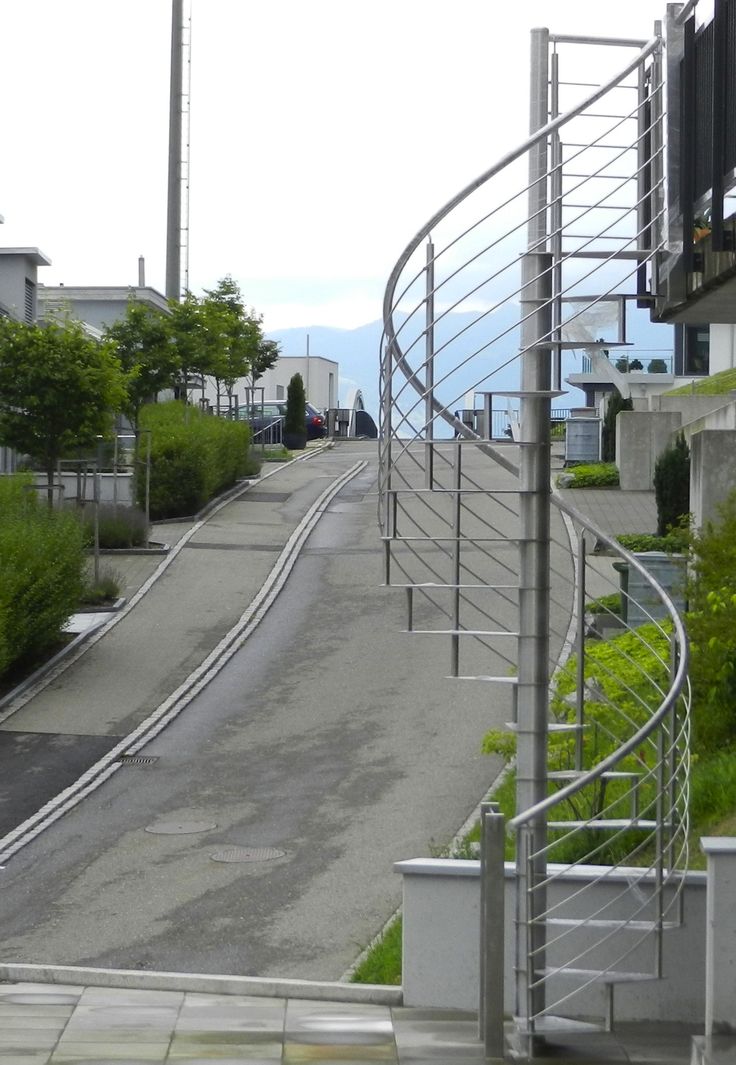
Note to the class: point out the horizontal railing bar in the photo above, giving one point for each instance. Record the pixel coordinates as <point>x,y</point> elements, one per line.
<point>460,632</point>
<point>613,42</point>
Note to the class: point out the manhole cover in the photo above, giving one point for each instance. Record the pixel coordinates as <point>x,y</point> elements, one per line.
<point>139,759</point>
<point>247,854</point>
<point>180,828</point>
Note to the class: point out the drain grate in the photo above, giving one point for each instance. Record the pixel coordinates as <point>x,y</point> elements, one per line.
<point>247,854</point>
<point>138,759</point>
<point>179,828</point>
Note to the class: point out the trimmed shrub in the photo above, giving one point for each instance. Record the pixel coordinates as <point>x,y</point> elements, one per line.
<point>295,404</point>
<point>616,403</point>
<point>193,457</point>
<point>676,542</point>
<point>657,366</point>
<point>41,572</point>
<point>593,475</point>
<point>672,486</point>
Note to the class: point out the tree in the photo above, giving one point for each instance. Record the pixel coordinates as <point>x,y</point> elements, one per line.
<point>232,336</point>
<point>615,404</point>
<point>144,346</point>
<point>295,434</point>
<point>187,332</point>
<point>672,486</point>
<point>266,356</point>
<point>58,390</point>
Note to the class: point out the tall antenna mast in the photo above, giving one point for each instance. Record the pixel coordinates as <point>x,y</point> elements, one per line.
<point>177,224</point>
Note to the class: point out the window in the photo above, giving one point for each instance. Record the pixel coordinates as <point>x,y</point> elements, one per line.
<point>692,350</point>
<point>280,392</point>
<point>30,301</point>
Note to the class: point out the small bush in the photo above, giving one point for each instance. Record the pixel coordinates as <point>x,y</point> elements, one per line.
<point>605,604</point>
<point>41,572</point>
<point>657,366</point>
<point>296,401</point>
<point>119,527</point>
<point>193,457</point>
<point>596,475</point>
<point>105,590</point>
<point>675,542</point>
<point>672,485</point>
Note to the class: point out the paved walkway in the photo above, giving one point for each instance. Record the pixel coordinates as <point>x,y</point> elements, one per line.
<point>74,1025</point>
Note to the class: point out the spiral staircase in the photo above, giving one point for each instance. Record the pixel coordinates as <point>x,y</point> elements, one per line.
<point>546,251</point>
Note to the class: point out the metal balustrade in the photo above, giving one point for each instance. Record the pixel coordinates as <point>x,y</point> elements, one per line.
<point>495,285</point>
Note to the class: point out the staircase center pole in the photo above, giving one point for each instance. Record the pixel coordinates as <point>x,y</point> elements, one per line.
<point>534,508</point>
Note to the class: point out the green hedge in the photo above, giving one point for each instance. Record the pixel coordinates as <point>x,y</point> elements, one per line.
<point>41,572</point>
<point>193,457</point>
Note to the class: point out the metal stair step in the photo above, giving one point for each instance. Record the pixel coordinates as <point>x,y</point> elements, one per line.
<point>606,824</point>
<point>607,253</point>
<point>606,977</point>
<point>576,774</point>
<point>622,925</point>
<point>553,726</point>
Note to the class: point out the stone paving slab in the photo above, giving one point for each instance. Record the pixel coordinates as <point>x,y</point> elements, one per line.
<point>192,1027</point>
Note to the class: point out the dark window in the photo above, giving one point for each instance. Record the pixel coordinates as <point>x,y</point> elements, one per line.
<point>30,301</point>
<point>692,350</point>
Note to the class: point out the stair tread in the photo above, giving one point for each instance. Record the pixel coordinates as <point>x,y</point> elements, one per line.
<point>612,976</point>
<point>576,774</point>
<point>605,823</point>
<point>601,922</point>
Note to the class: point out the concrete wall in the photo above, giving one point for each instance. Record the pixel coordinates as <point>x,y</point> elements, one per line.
<point>321,382</point>
<point>17,265</point>
<point>691,407</point>
<point>722,348</point>
<point>441,917</point>
<point>110,492</point>
<point>712,472</point>
<point>641,437</point>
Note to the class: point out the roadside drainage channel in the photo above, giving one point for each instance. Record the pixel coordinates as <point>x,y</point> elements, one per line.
<point>197,680</point>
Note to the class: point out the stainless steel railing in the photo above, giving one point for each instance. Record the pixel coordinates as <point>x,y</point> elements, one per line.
<point>451,515</point>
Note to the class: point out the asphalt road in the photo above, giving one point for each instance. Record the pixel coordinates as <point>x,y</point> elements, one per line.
<point>330,737</point>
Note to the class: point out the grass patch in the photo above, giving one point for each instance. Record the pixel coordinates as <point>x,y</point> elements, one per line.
<point>718,384</point>
<point>278,454</point>
<point>382,963</point>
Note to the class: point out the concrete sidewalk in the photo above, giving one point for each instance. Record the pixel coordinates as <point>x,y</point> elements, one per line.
<point>43,1024</point>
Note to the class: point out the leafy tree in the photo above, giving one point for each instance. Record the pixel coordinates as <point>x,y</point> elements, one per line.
<point>58,390</point>
<point>232,336</point>
<point>265,357</point>
<point>187,330</point>
<point>672,485</point>
<point>143,344</point>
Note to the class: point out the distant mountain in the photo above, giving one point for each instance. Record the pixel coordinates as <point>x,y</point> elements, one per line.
<point>357,352</point>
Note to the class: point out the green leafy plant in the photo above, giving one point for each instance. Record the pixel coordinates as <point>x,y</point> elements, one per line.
<point>106,589</point>
<point>119,527</point>
<point>616,403</point>
<point>605,604</point>
<point>657,366</point>
<point>595,475</point>
<point>193,457</point>
<point>675,542</point>
<point>296,401</point>
<point>672,485</point>
<point>41,572</point>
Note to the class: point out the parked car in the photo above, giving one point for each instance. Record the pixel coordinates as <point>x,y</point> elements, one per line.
<point>267,419</point>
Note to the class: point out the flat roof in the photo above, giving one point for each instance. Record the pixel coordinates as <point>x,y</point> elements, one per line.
<point>33,254</point>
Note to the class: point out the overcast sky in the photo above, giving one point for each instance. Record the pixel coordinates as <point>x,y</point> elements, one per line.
<point>324,133</point>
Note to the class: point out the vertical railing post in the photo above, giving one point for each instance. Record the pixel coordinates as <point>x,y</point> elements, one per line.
<point>492,903</point>
<point>429,369</point>
<point>534,513</point>
<point>580,655</point>
<point>457,478</point>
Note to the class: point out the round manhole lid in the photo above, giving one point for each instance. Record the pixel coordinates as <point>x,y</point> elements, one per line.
<point>247,854</point>
<point>179,828</point>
